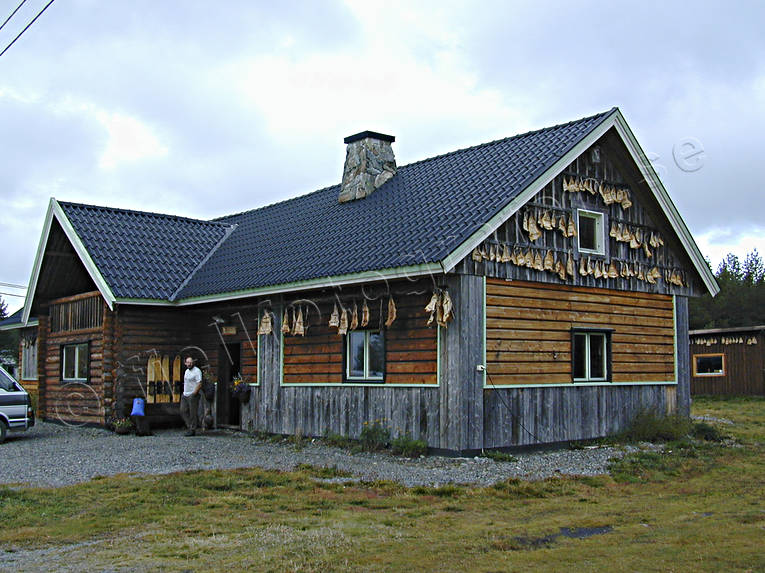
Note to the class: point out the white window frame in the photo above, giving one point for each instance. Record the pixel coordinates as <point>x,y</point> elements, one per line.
<point>366,376</point>
<point>587,364</point>
<point>78,346</point>
<point>600,231</point>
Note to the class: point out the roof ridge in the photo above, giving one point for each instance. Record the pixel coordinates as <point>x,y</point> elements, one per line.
<point>211,252</point>
<point>150,213</point>
<point>282,202</point>
<point>434,157</point>
<point>602,114</point>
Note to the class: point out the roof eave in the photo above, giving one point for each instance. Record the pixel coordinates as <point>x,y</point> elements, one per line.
<point>409,272</point>
<point>614,119</point>
<point>661,195</point>
<point>55,211</point>
<point>532,189</point>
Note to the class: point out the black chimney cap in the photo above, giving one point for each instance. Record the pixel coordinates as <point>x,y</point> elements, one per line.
<point>372,134</point>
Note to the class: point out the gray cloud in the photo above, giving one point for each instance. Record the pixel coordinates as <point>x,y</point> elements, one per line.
<point>676,70</point>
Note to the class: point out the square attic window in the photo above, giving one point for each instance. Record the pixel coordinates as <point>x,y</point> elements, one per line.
<point>591,232</point>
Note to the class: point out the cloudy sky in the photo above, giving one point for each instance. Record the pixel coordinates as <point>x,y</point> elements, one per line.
<point>208,108</point>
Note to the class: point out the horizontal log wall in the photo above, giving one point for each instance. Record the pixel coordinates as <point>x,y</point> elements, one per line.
<point>528,332</point>
<point>744,365</point>
<point>410,345</point>
<point>74,402</point>
<point>140,333</point>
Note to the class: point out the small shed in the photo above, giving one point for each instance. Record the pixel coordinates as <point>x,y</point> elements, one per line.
<point>728,361</point>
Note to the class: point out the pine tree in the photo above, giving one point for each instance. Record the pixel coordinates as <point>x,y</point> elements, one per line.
<point>741,300</point>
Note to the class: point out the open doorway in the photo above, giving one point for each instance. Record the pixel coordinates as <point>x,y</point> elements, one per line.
<point>229,365</point>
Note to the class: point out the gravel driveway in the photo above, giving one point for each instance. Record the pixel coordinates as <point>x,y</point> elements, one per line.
<point>51,455</point>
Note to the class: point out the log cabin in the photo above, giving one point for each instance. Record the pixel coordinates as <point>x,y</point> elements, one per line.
<point>728,361</point>
<point>531,290</point>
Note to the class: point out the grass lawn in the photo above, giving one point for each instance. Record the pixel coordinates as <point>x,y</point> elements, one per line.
<point>698,506</point>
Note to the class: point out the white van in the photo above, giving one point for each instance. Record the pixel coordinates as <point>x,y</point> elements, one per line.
<point>16,414</point>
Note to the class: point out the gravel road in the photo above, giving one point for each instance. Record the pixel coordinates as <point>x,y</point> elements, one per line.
<point>51,455</point>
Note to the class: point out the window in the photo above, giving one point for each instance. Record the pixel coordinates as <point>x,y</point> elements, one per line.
<point>75,362</point>
<point>590,355</point>
<point>29,358</point>
<point>365,355</point>
<point>591,235</point>
<point>708,365</point>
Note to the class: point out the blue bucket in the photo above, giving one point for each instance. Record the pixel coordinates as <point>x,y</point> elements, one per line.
<point>138,405</point>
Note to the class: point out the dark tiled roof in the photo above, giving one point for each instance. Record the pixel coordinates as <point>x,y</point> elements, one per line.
<point>12,320</point>
<point>420,216</point>
<point>143,255</point>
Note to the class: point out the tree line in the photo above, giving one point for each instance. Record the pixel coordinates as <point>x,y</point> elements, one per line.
<point>741,300</point>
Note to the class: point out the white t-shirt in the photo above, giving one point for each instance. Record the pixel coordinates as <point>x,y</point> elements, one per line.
<point>192,377</point>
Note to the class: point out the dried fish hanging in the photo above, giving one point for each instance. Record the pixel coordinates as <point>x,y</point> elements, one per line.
<point>447,309</point>
<point>286,322</point>
<point>431,307</point>
<point>562,225</point>
<point>334,319</point>
<point>534,232</point>
<point>343,326</point>
<point>547,221</point>
<point>560,268</point>
<point>297,319</point>
<point>391,312</point>
<point>364,314</point>
<point>569,264</point>
<point>266,324</point>
<point>538,262</point>
<point>354,317</point>
<point>571,227</point>
<point>549,261</point>
<point>476,256</point>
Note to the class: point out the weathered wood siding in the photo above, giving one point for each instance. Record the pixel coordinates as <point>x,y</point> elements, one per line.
<point>315,410</point>
<point>30,337</point>
<point>744,355</point>
<point>528,416</point>
<point>643,216</point>
<point>528,332</point>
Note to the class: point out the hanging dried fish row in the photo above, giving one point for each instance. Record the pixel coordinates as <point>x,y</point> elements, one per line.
<point>441,308</point>
<point>608,192</point>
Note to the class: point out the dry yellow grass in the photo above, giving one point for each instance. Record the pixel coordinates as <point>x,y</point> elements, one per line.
<point>698,507</point>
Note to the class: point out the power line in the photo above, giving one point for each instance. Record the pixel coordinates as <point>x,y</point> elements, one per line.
<point>11,285</point>
<point>12,14</point>
<point>26,28</point>
<point>11,294</point>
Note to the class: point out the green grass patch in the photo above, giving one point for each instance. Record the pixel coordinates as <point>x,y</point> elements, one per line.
<point>695,506</point>
<point>498,456</point>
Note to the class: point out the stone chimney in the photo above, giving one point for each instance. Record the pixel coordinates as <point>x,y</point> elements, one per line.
<point>369,162</point>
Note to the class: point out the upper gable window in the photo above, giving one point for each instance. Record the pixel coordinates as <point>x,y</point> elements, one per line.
<point>591,232</point>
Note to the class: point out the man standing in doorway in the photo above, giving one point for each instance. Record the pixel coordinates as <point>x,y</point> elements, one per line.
<point>192,384</point>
